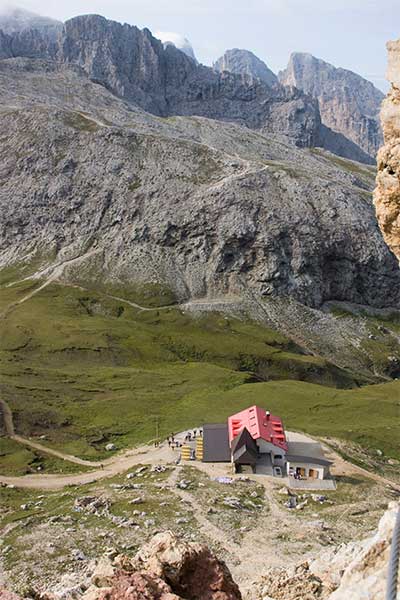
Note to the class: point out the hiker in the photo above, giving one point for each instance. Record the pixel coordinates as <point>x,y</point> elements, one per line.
<point>194,433</point>
<point>169,443</point>
<point>101,466</point>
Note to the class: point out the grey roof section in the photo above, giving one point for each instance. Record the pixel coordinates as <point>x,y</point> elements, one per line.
<point>308,460</point>
<point>307,452</point>
<point>216,443</point>
<point>244,448</point>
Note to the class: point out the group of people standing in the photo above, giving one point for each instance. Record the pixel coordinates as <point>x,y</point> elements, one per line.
<point>190,437</point>
<point>172,442</point>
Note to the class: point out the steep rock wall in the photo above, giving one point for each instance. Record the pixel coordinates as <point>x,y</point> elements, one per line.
<point>387,192</point>
<point>349,104</point>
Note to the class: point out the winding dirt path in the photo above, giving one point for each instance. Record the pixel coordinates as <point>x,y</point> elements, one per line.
<point>343,467</point>
<point>109,468</point>
<point>52,452</point>
<point>54,271</point>
<point>144,455</point>
<point>209,529</point>
<point>148,455</point>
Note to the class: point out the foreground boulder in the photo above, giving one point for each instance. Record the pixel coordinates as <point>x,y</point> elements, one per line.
<point>387,193</point>
<point>6,595</point>
<point>165,569</point>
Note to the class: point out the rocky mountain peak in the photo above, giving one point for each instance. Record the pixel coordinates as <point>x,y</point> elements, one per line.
<point>162,79</point>
<point>244,62</point>
<point>349,104</point>
<point>14,20</point>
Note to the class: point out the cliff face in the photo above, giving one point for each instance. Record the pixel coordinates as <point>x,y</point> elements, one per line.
<point>244,62</point>
<point>164,81</point>
<point>203,207</point>
<point>387,193</point>
<point>349,104</point>
<point>161,79</point>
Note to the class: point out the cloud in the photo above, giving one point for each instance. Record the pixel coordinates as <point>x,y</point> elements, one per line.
<point>178,40</point>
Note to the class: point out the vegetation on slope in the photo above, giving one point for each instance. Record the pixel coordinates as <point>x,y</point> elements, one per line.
<point>100,370</point>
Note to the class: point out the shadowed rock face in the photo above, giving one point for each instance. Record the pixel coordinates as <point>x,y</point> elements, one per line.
<point>349,104</point>
<point>244,62</point>
<point>387,192</point>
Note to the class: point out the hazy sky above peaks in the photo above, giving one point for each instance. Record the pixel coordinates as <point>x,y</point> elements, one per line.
<point>347,33</point>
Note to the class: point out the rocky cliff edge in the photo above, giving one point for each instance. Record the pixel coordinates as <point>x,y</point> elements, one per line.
<point>387,193</point>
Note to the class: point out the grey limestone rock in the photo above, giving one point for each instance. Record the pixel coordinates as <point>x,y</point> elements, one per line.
<point>203,207</point>
<point>349,104</point>
<point>244,62</point>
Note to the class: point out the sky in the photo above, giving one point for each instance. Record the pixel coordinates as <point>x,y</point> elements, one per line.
<point>347,33</point>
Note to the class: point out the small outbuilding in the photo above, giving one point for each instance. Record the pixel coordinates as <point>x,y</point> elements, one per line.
<point>216,443</point>
<point>307,460</point>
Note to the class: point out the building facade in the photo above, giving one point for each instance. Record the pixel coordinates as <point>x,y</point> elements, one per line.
<point>255,440</point>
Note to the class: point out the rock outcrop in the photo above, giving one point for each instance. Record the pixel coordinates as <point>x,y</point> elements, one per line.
<point>244,62</point>
<point>6,595</point>
<point>165,569</point>
<point>355,571</point>
<point>349,104</point>
<point>387,193</point>
<point>168,568</point>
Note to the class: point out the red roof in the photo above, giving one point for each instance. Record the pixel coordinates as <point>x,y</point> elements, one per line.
<point>260,425</point>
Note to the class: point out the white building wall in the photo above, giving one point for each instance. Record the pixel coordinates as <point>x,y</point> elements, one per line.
<point>307,466</point>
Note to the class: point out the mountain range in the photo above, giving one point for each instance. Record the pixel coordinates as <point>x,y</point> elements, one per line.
<point>312,103</point>
<point>127,162</point>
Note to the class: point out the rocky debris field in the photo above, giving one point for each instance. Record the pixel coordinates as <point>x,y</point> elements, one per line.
<point>168,568</point>
<point>51,540</point>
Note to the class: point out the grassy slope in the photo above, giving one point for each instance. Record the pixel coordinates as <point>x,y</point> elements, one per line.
<point>100,370</point>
